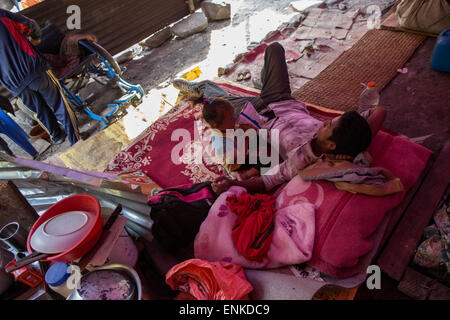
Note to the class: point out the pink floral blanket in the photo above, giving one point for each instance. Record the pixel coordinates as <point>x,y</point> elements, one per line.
<point>292,242</point>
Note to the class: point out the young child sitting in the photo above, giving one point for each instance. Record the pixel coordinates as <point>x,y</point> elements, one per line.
<point>219,113</point>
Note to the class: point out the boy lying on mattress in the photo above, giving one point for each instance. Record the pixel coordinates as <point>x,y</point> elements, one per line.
<point>334,152</point>
<point>331,151</point>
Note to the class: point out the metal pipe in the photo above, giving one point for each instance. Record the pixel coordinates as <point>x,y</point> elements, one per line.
<point>127,195</point>
<point>19,174</point>
<point>40,209</point>
<point>141,231</point>
<point>140,208</point>
<point>7,165</point>
<point>48,190</point>
<point>130,214</point>
<point>132,233</point>
<point>38,200</point>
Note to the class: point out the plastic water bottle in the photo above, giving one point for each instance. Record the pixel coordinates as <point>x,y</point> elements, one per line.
<point>369,98</point>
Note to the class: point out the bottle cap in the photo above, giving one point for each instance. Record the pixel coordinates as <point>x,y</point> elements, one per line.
<point>57,274</point>
<point>371,84</point>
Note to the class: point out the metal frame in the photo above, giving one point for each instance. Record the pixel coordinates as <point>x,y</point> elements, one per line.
<point>132,93</point>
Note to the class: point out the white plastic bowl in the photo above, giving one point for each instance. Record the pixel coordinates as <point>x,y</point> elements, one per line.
<point>62,232</point>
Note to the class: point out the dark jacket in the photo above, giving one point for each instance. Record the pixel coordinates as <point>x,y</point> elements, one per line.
<point>20,62</point>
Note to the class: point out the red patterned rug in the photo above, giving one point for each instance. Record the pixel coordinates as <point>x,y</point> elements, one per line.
<point>150,155</point>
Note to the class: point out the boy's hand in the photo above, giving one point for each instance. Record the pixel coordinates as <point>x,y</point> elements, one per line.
<point>338,157</point>
<point>221,185</point>
<point>245,175</point>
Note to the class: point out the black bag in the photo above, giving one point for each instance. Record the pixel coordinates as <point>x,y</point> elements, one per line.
<point>177,213</point>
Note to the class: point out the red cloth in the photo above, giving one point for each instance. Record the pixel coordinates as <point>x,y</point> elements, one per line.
<point>253,231</point>
<point>209,280</point>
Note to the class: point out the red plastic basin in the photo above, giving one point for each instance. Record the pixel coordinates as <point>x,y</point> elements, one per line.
<point>78,202</point>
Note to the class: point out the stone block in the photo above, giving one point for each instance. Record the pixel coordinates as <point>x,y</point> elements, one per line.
<point>158,38</point>
<point>215,11</point>
<point>194,23</point>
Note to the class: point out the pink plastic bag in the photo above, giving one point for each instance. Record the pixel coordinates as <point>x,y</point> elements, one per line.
<point>209,280</point>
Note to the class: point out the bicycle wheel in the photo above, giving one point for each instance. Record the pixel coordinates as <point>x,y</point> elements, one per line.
<point>105,57</point>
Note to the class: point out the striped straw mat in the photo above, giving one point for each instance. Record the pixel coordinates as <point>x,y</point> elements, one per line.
<point>375,57</point>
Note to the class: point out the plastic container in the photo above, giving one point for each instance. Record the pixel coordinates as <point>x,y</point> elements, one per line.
<point>79,202</point>
<point>56,277</point>
<point>441,55</point>
<point>369,98</point>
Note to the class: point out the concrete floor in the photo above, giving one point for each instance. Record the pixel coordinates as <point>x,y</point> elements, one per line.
<point>418,102</point>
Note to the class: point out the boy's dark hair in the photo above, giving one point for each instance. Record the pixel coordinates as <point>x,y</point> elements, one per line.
<point>353,134</point>
<point>213,109</point>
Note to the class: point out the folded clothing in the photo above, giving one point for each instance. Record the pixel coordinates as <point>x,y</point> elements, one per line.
<point>434,252</point>
<point>354,178</point>
<point>355,175</point>
<point>253,230</point>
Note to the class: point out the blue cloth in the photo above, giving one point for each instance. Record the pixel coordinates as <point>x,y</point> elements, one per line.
<point>15,133</point>
<point>219,145</point>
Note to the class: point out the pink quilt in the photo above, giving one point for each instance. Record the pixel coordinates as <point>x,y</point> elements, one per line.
<point>292,241</point>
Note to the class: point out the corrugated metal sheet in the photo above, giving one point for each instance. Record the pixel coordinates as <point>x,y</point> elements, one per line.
<point>118,24</point>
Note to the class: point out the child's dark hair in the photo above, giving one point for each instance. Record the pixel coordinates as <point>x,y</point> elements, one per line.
<point>213,109</point>
<point>353,134</point>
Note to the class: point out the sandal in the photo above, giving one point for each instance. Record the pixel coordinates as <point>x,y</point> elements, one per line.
<point>247,75</point>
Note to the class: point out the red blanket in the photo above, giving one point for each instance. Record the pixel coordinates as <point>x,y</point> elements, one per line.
<point>151,153</point>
